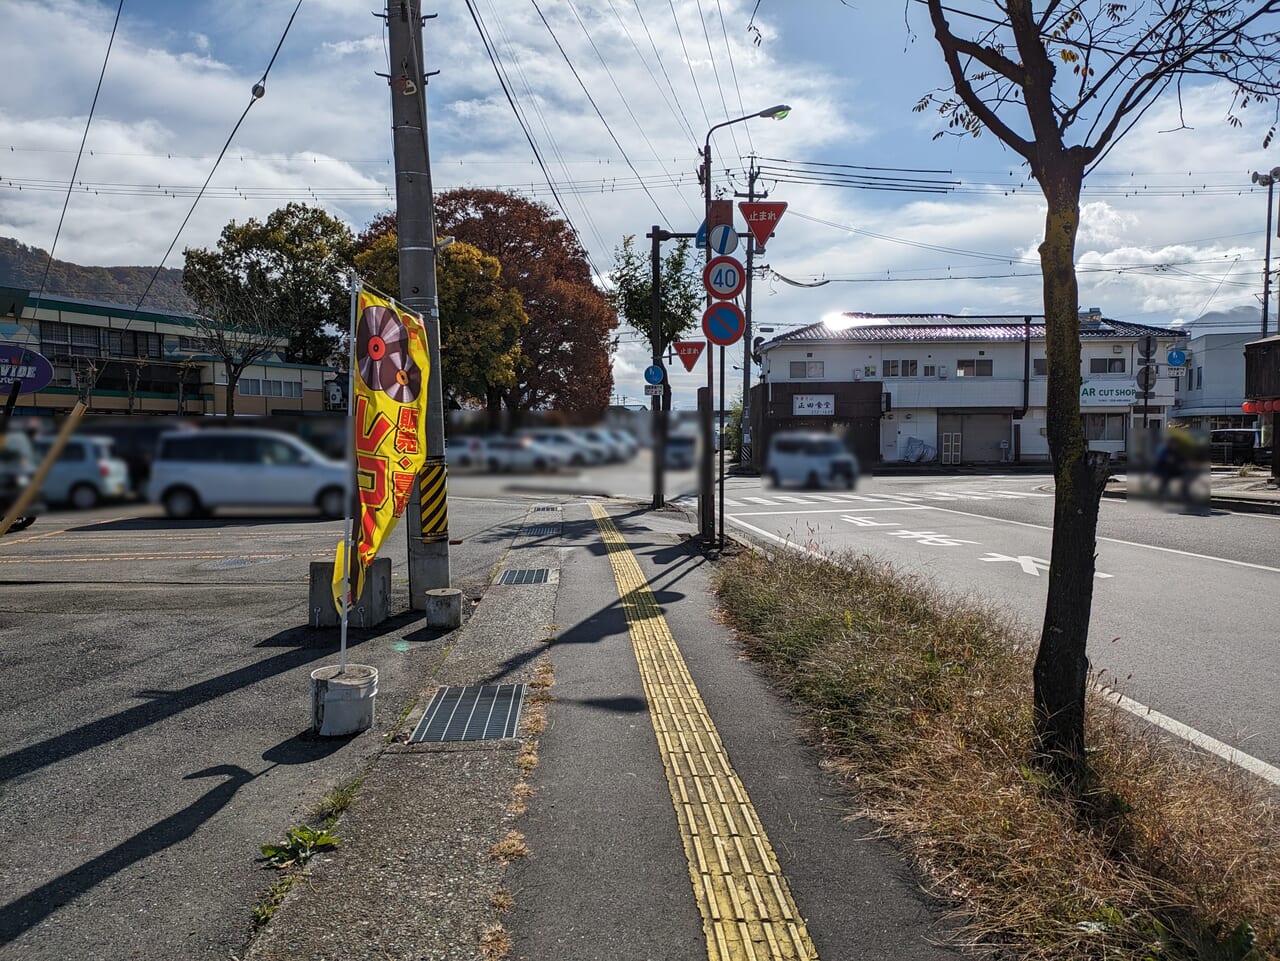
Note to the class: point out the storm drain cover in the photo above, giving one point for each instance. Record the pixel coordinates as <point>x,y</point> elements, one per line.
<point>537,510</point>
<point>478,712</point>
<point>529,575</point>
<point>542,530</point>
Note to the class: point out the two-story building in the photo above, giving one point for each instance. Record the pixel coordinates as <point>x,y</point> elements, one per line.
<point>144,361</point>
<point>960,390</point>
<point>1210,394</point>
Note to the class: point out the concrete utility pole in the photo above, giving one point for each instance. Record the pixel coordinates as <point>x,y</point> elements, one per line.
<point>428,522</point>
<point>745,440</point>
<point>658,235</point>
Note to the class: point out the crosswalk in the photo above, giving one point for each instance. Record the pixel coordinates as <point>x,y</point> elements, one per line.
<point>814,499</point>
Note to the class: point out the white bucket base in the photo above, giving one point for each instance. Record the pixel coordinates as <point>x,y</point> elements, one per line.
<point>444,607</point>
<point>343,702</point>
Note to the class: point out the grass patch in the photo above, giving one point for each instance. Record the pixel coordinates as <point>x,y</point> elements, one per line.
<point>495,943</point>
<point>331,807</point>
<point>509,848</point>
<point>923,703</point>
<point>272,900</point>
<point>299,846</point>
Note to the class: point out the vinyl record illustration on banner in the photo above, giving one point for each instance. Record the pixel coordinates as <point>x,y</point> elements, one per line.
<point>382,355</point>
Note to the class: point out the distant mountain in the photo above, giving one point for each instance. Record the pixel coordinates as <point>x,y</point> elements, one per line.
<point>23,266</point>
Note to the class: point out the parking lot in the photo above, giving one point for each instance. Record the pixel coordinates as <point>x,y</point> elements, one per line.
<point>156,715</point>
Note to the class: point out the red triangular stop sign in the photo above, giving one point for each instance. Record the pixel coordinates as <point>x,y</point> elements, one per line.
<point>761,217</point>
<point>689,351</point>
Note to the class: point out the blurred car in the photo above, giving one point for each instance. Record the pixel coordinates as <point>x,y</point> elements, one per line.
<point>810,460</point>
<point>577,452</point>
<point>86,473</point>
<point>134,439</point>
<point>465,450</point>
<point>520,454</point>
<point>680,451</point>
<point>17,467</point>
<point>630,445</point>
<point>615,450</point>
<point>1238,446</point>
<point>195,472</point>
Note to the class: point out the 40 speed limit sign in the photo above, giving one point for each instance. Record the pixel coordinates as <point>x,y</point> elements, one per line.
<point>724,278</point>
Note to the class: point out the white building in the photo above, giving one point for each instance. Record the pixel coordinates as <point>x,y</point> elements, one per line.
<point>1210,394</point>
<point>960,389</point>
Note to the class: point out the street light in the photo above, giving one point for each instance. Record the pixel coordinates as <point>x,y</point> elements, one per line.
<point>706,513</point>
<point>1267,180</point>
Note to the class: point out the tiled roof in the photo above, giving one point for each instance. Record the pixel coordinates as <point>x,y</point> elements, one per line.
<point>929,328</point>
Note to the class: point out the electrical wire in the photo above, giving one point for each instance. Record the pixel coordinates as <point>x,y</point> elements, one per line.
<point>44,277</point>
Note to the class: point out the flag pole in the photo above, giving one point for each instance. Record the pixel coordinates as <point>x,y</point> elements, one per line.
<point>347,528</point>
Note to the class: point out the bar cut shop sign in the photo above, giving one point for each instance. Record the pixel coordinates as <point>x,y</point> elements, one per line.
<point>813,405</point>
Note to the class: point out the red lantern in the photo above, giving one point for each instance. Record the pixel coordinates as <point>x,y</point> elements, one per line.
<point>1268,407</point>
<point>1249,407</point>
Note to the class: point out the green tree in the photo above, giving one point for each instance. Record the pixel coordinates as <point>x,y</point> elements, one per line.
<point>680,285</point>
<point>481,318</point>
<point>1060,86</point>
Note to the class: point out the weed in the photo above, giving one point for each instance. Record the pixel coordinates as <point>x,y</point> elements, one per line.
<point>495,943</point>
<point>544,676</point>
<point>923,702</point>
<point>272,900</point>
<point>509,848</point>
<point>300,844</point>
<point>527,759</point>
<point>501,900</point>
<point>535,720</point>
<point>330,807</point>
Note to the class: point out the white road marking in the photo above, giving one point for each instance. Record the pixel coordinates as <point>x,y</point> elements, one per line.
<point>761,500</point>
<point>930,538</point>
<point>865,521</point>
<point>1031,565</point>
<point>1198,738</point>
<point>837,510</point>
<point>789,499</point>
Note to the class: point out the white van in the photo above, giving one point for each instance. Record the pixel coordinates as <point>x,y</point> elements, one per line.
<point>810,460</point>
<point>196,471</point>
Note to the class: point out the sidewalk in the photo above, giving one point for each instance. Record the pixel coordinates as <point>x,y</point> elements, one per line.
<point>627,846</point>
<point>1228,491</point>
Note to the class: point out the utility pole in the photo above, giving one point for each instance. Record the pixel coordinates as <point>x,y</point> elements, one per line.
<point>428,520</point>
<point>744,450</point>
<point>658,235</point>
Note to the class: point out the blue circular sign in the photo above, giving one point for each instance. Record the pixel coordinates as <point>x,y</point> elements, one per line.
<point>723,323</point>
<point>653,374</point>
<point>20,363</point>
<point>1177,358</point>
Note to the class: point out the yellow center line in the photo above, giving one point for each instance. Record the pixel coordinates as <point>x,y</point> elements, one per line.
<point>748,913</point>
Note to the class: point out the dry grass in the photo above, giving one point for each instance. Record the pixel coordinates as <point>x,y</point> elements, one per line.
<point>923,703</point>
<point>509,848</point>
<point>501,900</point>
<point>495,943</point>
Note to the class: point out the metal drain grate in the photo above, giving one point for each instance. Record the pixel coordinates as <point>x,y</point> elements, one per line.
<point>539,510</point>
<point>542,530</point>
<point>479,712</point>
<point>530,575</point>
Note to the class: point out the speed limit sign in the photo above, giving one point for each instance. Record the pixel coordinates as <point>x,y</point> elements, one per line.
<point>723,277</point>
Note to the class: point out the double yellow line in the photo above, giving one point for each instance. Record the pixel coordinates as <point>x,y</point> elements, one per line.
<point>748,913</point>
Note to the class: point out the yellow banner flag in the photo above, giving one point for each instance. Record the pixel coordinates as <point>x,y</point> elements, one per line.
<point>391,364</point>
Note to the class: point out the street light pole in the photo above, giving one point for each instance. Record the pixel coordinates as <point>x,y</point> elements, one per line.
<point>1269,181</point>
<point>706,508</point>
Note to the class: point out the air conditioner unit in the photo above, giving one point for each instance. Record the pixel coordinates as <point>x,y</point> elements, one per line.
<point>942,372</point>
<point>857,374</point>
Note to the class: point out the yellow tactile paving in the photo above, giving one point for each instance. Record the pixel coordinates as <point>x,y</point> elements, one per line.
<point>747,910</point>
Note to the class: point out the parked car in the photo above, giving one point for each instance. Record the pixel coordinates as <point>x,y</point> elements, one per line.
<point>614,449</point>
<point>195,472</point>
<point>17,467</point>
<point>134,439</point>
<point>810,460</point>
<point>630,445</point>
<point>681,449</point>
<point>578,452</point>
<point>86,473</point>
<point>520,454</point>
<point>1238,445</point>
<point>464,450</point>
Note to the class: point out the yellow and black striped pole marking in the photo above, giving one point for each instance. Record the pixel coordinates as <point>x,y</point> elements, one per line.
<point>434,500</point>
<point>748,913</point>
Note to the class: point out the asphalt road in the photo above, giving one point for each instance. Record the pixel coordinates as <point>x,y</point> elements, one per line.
<point>155,717</point>
<point>1185,607</point>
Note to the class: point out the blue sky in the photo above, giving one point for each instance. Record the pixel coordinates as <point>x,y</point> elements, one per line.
<point>1172,229</point>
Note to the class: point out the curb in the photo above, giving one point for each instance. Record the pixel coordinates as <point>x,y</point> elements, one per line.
<point>1241,505</point>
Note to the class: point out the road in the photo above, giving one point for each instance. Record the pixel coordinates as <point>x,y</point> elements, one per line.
<point>1185,607</point>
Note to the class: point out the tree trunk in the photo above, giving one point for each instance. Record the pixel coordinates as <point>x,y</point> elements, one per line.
<point>1062,666</point>
<point>493,409</point>
<point>233,378</point>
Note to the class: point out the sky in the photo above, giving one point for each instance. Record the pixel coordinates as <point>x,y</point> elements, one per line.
<point>618,96</point>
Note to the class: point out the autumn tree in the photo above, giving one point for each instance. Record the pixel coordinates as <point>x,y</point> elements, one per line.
<point>1060,83</point>
<point>481,318</point>
<point>565,347</point>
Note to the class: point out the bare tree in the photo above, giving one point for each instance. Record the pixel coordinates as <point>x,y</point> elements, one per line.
<point>236,318</point>
<point>1060,85</point>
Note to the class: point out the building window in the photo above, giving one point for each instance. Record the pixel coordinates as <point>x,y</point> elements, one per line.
<point>193,344</point>
<point>890,368</point>
<point>1104,426</point>
<point>973,368</point>
<point>931,370</point>
<point>250,387</point>
<point>807,369</point>
<point>1039,366</point>
<point>900,368</point>
<point>1106,365</point>
<point>1199,377</point>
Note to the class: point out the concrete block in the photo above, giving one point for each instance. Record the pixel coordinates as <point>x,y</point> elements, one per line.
<point>444,607</point>
<point>372,607</point>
